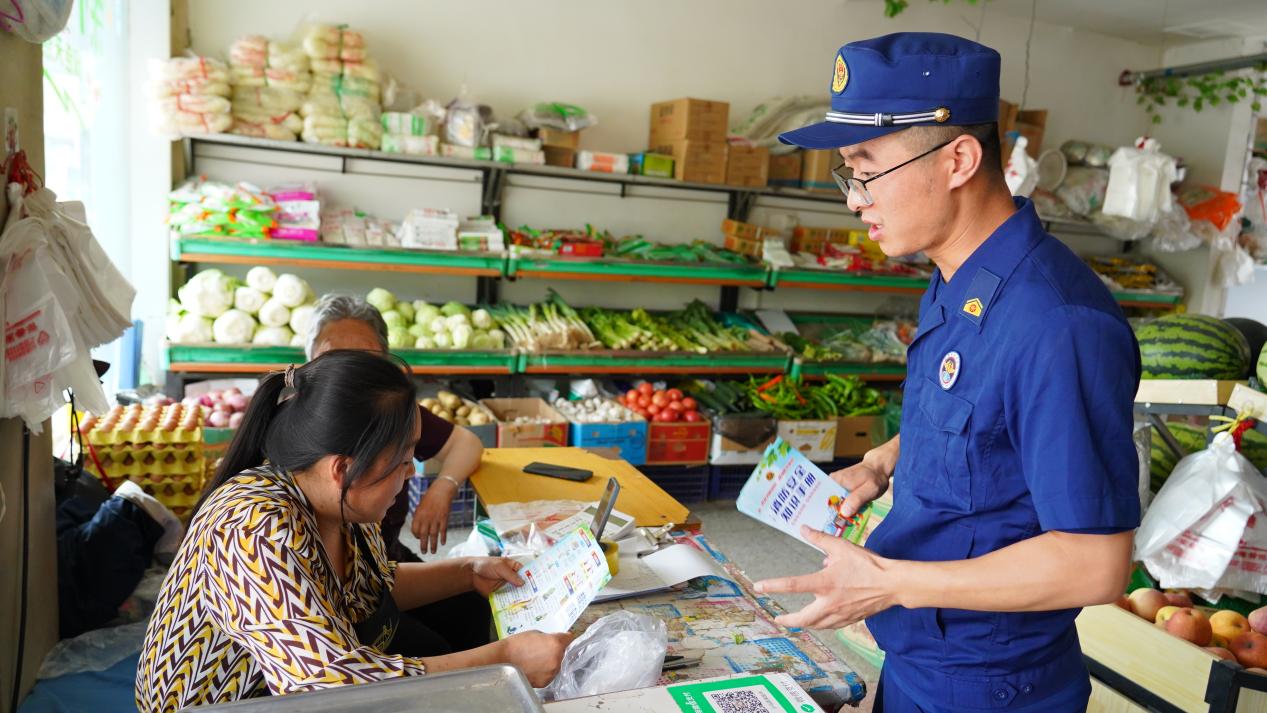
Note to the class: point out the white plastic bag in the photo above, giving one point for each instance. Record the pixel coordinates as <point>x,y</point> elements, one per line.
<point>1173,233</point>
<point>1207,523</point>
<point>1139,182</point>
<point>619,652</point>
<point>1021,173</point>
<point>36,20</point>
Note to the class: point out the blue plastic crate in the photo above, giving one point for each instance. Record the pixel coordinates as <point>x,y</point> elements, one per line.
<point>687,484</point>
<point>629,438</point>
<point>462,511</point>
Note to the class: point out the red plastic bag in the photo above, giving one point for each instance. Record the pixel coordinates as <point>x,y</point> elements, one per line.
<point>1210,204</point>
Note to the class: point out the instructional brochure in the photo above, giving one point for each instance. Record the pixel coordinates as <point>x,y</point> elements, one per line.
<point>786,491</point>
<point>558,585</point>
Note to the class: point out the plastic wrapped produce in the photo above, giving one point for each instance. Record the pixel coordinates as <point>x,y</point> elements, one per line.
<point>342,106</point>
<point>190,96</point>
<point>270,82</point>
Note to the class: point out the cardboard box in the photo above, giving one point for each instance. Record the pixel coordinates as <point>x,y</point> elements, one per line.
<point>744,246</point>
<point>527,435</point>
<point>816,439</point>
<point>629,438</point>
<point>739,229</point>
<point>816,169</point>
<point>559,156</point>
<point>559,139</point>
<point>855,435</point>
<point>678,443</point>
<point>696,161</point>
<point>695,119</point>
<point>740,439</point>
<point>651,164</point>
<point>747,166</point>
<point>1030,123</point>
<point>785,170</point>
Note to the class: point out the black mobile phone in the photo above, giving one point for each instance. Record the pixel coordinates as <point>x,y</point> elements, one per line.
<point>559,471</point>
<point>605,507</point>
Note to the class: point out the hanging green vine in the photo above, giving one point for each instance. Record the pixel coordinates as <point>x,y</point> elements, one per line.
<point>893,8</point>
<point>1200,91</point>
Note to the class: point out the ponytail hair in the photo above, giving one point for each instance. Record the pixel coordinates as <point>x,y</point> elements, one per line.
<point>345,402</point>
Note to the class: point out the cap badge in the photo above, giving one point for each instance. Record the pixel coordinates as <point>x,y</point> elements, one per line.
<point>840,77</point>
<point>941,115</point>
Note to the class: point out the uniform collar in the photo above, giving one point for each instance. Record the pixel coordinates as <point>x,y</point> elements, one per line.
<point>997,258</point>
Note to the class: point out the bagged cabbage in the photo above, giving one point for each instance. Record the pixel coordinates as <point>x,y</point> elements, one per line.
<point>274,314</point>
<point>273,336</point>
<point>190,96</point>
<point>261,278</point>
<point>291,291</point>
<point>234,327</point>
<point>248,299</point>
<point>209,293</point>
<point>189,328</point>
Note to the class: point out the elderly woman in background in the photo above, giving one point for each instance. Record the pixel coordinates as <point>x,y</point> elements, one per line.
<point>346,322</point>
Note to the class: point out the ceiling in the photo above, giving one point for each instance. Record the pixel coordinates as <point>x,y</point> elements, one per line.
<point>1160,22</point>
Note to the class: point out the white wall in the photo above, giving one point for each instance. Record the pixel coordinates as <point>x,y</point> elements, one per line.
<point>1213,144</point>
<point>616,58</point>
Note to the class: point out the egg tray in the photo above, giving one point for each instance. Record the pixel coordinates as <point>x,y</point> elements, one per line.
<point>148,461</point>
<point>156,436</point>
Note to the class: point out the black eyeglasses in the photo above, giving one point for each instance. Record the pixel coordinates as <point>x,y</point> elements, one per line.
<point>859,185</point>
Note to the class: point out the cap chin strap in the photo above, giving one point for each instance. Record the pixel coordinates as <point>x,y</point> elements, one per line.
<point>938,115</point>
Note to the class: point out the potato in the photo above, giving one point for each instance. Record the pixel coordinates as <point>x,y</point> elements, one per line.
<point>479,418</point>
<point>450,400</point>
<point>463,411</point>
<point>428,403</point>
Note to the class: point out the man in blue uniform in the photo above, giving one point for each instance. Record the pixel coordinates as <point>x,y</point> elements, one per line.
<point>1014,477</point>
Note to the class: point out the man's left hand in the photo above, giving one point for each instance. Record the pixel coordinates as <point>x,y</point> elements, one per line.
<point>853,584</point>
<point>431,517</point>
<point>489,573</point>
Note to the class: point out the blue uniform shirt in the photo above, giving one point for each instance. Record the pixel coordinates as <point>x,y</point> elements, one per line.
<point>1016,420</point>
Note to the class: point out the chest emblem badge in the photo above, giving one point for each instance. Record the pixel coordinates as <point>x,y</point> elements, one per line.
<point>973,307</point>
<point>948,374</point>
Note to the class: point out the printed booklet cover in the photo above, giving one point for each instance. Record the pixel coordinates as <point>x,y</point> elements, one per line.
<point>786,491</point>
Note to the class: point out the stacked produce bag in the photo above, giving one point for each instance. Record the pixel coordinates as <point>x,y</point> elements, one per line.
<point>191,96</point>
<point>270,82</point>
<point>342,108</point>
<point>424,326</point>
<point>268,309</point>
<point>201,207</point>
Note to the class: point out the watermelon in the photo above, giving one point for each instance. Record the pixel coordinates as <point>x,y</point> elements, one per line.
<point>1255,333</point>
<point>1262,368</point>
<point>1192,346</point>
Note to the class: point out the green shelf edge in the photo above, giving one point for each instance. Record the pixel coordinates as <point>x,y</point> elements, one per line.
<point>333,254</point>
<point>809,278</point>
<point>1147,297</point>
<point>194,354</point>
<point>703,272</point>
<point>670,359</point>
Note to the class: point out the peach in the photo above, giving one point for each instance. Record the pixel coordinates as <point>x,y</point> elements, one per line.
<point>1228,624</point>
<point>1164,615</point>
<point>1145,602</point>
<point>1179,599</point>
<point>1124,602</point>
<point>1190,625</point>
<point>1258,620</point>
<point>1220,652</point>
<point>1250,649</point>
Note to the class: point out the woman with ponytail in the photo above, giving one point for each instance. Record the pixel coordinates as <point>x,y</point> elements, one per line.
<point>282,584</point>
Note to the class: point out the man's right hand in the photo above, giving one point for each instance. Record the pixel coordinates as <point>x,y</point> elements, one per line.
<point>538,655</point>
<point>865,483</point>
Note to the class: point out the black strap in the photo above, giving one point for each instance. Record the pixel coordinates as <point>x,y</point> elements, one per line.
<point>379,628</point>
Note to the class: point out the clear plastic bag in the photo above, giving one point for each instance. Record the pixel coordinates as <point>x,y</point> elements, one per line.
<point>1173,233</point>
<point>95,650</point>
<point>1206,523</point>
<point>619,652</point>
<point>1083,189</point>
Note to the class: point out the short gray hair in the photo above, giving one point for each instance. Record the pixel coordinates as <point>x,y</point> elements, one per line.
<point>332,308</point>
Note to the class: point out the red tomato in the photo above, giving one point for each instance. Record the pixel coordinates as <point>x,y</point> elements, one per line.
<point>645,388</point>
<point>643,412</point>
<point>692,416</point>
<point>669,415</point>
<point>643,401</point>
<point>689,403</point>
<point>654,409</point>
<point>632,395</point>
<point>674,395</point>
<point>660,399</point>
<point>676,406</point>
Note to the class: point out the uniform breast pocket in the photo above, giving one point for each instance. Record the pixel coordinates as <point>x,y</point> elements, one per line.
<point>943,475</point>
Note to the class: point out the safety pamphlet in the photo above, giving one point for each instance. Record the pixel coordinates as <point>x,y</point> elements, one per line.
<point>558,585</point>
<point>742,693</point>
<point>786,491</point>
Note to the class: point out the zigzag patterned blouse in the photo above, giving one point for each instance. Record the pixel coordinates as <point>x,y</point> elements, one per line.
<point>252,601</point>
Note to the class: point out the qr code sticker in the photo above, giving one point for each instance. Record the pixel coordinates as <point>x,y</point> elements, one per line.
<point>751,699</point>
